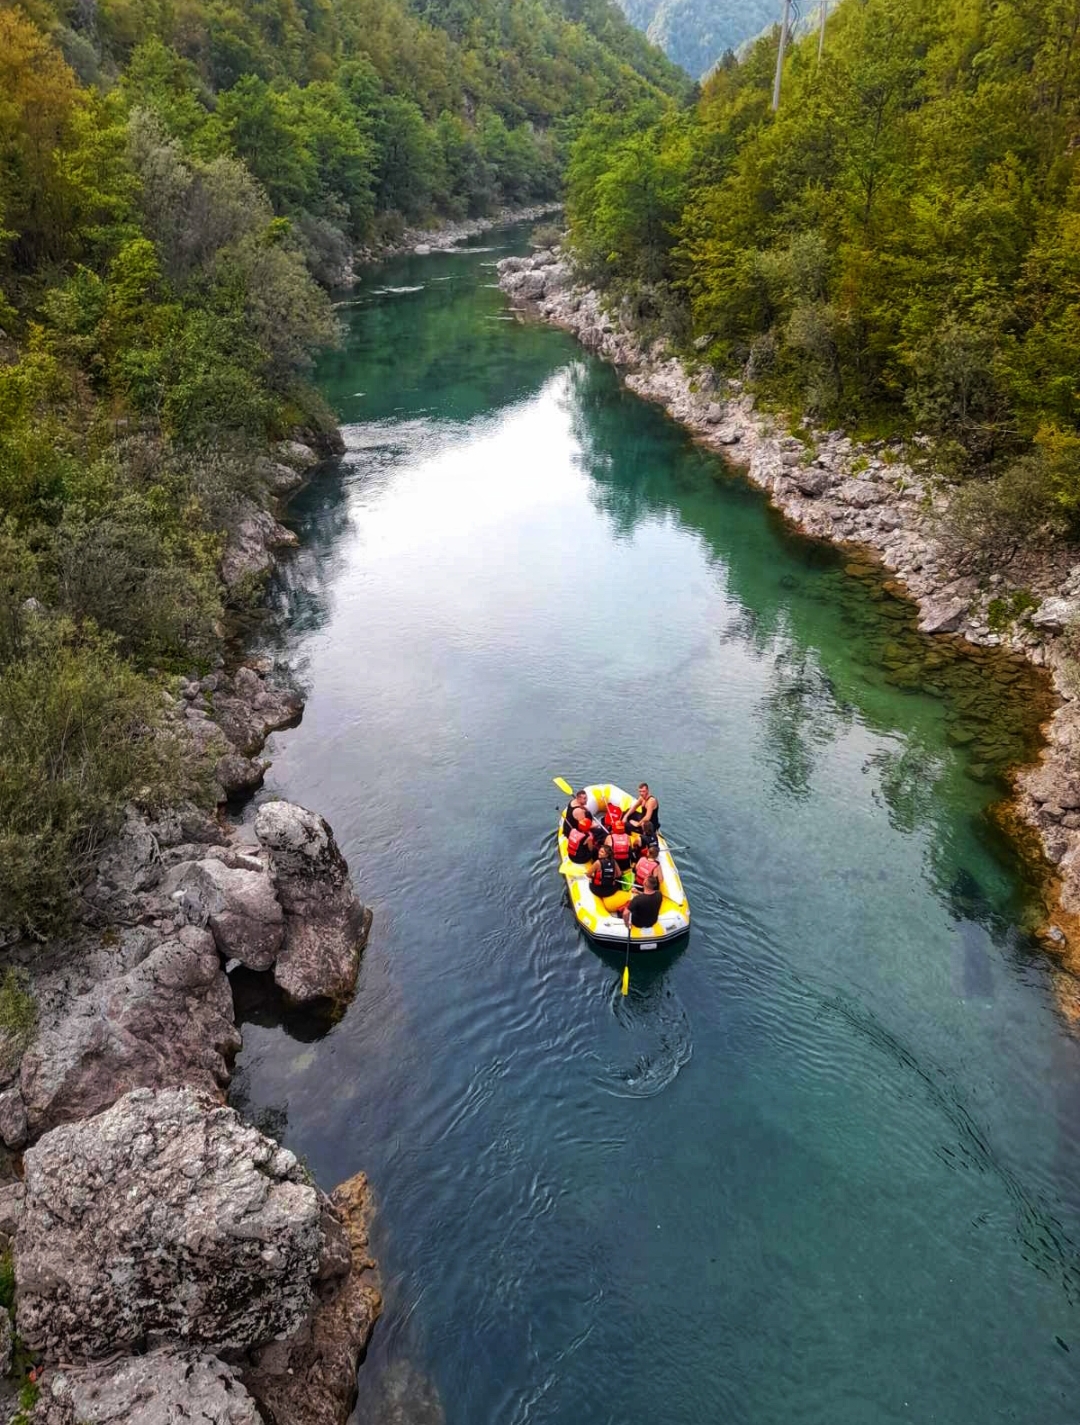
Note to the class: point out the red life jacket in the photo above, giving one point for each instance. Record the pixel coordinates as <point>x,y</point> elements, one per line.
<point>620,846</point>
<point>613,818</point>
<point>575,841</point>
<point>647,866</point>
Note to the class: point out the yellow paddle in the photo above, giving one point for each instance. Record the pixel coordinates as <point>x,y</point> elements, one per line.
<point>626,966</point>
<point>563,786</point>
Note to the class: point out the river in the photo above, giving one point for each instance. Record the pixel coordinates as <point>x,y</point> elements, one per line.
<point>820,1166</point>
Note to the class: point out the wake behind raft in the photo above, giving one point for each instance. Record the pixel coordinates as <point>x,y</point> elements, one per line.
<point>605,926</point>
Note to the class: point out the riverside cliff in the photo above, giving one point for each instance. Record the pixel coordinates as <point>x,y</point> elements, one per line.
<point>882,498</point>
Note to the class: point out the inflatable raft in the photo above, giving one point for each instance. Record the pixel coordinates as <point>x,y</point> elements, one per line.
<point>601,921</point>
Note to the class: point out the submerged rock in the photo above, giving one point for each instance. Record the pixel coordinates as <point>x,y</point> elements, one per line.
<point>326,925</point>
<point>164,1217</point>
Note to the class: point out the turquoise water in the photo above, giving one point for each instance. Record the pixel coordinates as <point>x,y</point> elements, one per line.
<point>822,1165</point>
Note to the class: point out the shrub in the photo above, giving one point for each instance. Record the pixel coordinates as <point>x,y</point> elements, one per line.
<point>991,520</point>
<point>546,235</point>
<point>80,735</point>
<point>18,1025</point>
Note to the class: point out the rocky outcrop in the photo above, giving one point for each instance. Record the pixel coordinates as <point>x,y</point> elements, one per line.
<point>167,1020</point>
<point>164,1218</point>
<point>883,497</point>
<point>427,240</point>
<point>247,706</point>
<point>252,536</point>
<point>167,1223</point>
<point>166,1387</point>
<point>326,925</point>
<point>310,1379</point>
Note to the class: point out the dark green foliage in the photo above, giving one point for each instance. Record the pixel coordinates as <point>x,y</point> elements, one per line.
<point>80,734</point>
<point>18,1025</point>
<point>898,247</point>
<point>178,186</point>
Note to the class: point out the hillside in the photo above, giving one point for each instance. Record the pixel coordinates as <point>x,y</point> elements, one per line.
<point>695,33</point>
<point>178,186</point>
<point>898,249</point>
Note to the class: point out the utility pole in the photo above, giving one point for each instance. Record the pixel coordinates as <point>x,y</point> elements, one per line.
<point>780,55</point>
<point>821,32</point>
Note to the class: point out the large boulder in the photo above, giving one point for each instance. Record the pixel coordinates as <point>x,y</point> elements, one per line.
<point>166,1387</point>
<point>168,1020</point>
<point>310,1379</point>
<point>325,923</point>
<point>164,1218</point>
<point>236,902</point>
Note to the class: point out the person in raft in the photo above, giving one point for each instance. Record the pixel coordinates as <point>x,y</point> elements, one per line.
<point>606,881</point>
<point>647,865</point>
<point>618,838</point>
<point>644,907</point>
<point>580,830</point>
<point>646,808</point>
<point>646,839</point>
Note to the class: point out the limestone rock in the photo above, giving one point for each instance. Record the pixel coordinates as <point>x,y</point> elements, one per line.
<point>811,482</point>
<point>163,1217</point>
<point>247,707</point>
<point>237,903</point>
<point>279,478</point>
<point>14,1127</point>
<point>310,1379</point>
<point>254,534</point>
<point>325,923</point>
<point>166,1387</point>
<point>860,493</point>
<point>238,775</point>
<point>1053,615</point>
<point>7,1342</point>
<point>168,1020</point>
<point>296,453</point>
<point>943,616</point>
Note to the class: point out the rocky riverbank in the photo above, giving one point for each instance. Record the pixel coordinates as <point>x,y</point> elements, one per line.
<point>881,497</point>
<point>448,234</point>
<point>170,1261</point>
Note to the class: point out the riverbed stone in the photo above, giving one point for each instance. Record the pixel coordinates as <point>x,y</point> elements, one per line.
<point>169,1019</point>
<point>326,925</point>
<point>163,1218</point>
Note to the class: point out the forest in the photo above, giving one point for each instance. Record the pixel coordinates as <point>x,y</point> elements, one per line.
<point>895,250</point>
<point>180,183</point>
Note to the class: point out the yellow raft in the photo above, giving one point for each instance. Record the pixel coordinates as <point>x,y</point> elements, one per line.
<point>602,922</point>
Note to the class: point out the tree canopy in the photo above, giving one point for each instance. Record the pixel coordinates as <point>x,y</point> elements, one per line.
<point>899,245</point>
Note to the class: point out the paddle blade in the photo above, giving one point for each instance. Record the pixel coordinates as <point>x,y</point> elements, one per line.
<point>563,786</point>
<point>626,980</point>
